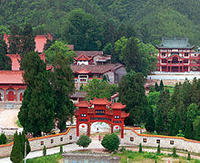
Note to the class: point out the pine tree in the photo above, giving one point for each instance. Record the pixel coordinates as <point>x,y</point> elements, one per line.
<point>140,148</point>
<point>178,123</point>
<point>3,139</point>
<point>63,84</point>
<point>37,111</point>
<point>5,62</point>
<point>16,155</point>
<point>174,152</point>
<point>188,157</point>
<point>27,40</point>
<point>61,149</point>
<point>150,122</point>
<point>189,129</point>
<point>157,87</point>
<point>158,149</point>
<point>44,150</point>
<point>161,86</point>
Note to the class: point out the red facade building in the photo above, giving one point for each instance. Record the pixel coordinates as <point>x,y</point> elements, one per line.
<point>100,110</point>
<point>177,55</point>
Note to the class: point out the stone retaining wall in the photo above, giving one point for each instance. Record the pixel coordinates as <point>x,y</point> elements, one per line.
<point>49,141</point>
<point>131,137</point>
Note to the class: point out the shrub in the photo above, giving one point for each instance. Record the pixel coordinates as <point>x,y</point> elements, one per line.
<point>111,142</point>
<point>61,149</point>
<point>158,149</point>
<point>174,152</point>
<point>188,157</point>
<point>123,149</point>
<point>3,139</point>
<point>140,148</point>
<point>44,151</point>
<point>83,141</point>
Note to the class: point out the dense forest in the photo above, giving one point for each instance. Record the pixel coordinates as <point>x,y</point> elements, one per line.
<point>102,22</point>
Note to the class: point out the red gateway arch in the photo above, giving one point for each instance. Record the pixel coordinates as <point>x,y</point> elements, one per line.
<point>100,110</point>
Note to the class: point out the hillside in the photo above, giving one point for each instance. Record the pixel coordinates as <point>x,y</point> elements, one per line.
<point>150,19</point>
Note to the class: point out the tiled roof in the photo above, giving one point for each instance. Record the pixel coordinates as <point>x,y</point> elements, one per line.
<point>124,114</point>
<point>84,104</point>
<point>117,106</point>
<point>100,101</point>
<point>175,43</point>
<point>83,71</point>
<point>14,61</point>
<point>89,53</point>
<point>99,69</point>
<point>83,57</point>
<point>11,77</point>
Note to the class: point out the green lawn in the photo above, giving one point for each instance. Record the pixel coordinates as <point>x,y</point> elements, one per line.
<point>46,159</point>
<point>170,88</point>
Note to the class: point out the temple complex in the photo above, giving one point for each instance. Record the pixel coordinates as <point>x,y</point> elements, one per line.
<point>100,110</point>
<point>177,55</point>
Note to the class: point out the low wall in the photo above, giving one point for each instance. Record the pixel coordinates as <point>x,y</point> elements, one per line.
<point>131,137</point>
<point>49,141</point>
<point>10,131</point>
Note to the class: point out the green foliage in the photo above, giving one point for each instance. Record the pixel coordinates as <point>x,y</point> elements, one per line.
<point>111,142</point>
<point>37,111</point>
<point>18,149</point>
<point>3,139</point>
<point>61,149</point>
<point>158,149</point>
<point>174,152</point>
<point>150,122</point>
<point>157,87</point>
<point>5,62</point>
<point>59,48</point>
<point>44,150</point>
<point>161,86</point>
<point>55,158</point>
<point>132,87</point>
<point>188,157</point>
<point>99,89</point>
<point>140,148</point>
<point>83,141</point>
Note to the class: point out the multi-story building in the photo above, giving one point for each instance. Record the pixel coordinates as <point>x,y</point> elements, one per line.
<point>177,55</point>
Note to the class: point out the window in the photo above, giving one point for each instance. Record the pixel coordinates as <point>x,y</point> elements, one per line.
<point>99,112</point>
<point>83,115</point>
<point>163,54</point>
<point>171,142</point>
<point>185,61</point>
<point>144,140</point>
<point>158,141</point>
<point>61,139</point>
<point>70,137</point>
<point>51,141</point>
<point>131,138</point>
<point>42,142</point>
<point>116,116</point>
<point>186,54</point>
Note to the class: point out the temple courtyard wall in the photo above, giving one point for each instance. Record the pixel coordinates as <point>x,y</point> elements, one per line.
<point>132,137</point>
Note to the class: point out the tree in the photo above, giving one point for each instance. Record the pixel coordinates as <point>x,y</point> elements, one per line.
<point>44,150</point>
<point>140,148</point>
<point>156,87</point>
<point>83,141</point>
<point>178,123</point>
<point>61,48</point>
<point>111,142</point>
<point>27,40</point>
<point>37,111</point>
<point>20,144</point>
<point>99,89</point>
<point>83,30</point>
<point>61,149</point>
<point>174,152</point>
<point>161,86</point>
<point>3,139</point>
<point>150,123</point>
<point>5,62</point>
<point>158,149</point>
<point>188,157</point>
<point>62,81</point>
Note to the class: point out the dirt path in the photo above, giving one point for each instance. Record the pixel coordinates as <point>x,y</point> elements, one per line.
<point>8,117</point>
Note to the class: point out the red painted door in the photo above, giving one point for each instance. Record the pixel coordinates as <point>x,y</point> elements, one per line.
<point>21,96</point>
<point>11,96</point>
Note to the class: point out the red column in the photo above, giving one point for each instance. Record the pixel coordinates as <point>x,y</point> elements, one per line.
<point>88,129</point>
<point>77,128</point>
<point>111,128</point>
<point>4,94</point>
<point>16,92</point>
<point>122,131</point>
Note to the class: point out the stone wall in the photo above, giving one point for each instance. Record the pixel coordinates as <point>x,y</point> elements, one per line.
<point>49,141</point>
<point>131,137</point>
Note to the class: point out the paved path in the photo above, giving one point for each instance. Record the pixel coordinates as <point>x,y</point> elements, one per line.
<point>8,117</point>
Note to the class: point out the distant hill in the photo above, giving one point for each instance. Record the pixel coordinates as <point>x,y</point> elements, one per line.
<point>151,19</point>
